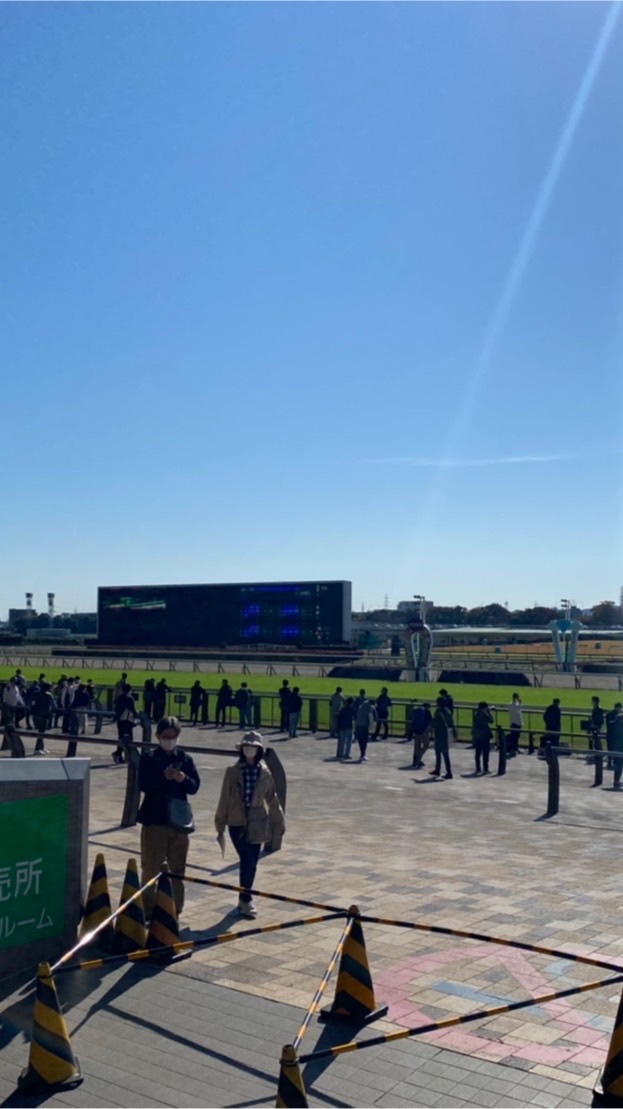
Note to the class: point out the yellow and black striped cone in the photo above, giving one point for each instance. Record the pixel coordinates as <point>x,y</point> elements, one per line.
<point>51,1061</point>
<point>609,1089</point>
<point>130,930</point>
<point>163,930</point>
<point>98,908</point>
<point>291,1089</point>
<point>354,999</point>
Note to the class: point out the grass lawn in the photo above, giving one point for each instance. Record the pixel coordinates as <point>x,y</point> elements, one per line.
<point>324,687</point>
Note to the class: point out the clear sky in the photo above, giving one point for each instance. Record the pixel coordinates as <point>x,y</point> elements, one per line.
<point>312,291</point>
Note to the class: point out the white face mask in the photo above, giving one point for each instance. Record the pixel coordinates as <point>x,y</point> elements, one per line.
<point>168,745</point>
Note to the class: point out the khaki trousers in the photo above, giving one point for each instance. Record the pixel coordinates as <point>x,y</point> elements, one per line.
<point>159,845</point>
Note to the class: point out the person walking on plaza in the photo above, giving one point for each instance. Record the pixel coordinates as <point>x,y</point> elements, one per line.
<point>224,699</point>
<point>79,709</point>
<point>249,808</point>
<point>421,727</point>
<point>42,710</point>
<point>365,718</point>
<point>284,705</point>
<point>118,689</point>
<point>383,705</point>
<point>552,720</point>
<point>125,716</point>
<point>448,701</point>
<point>295,704</point>
<point>196,697</point>
<point>345,720</point>
<point>242,700</point>
<point>166,773</point>
<point>336,703</point>
<point>515,719</point>
<point>442,727</point>
<point>482,733</point>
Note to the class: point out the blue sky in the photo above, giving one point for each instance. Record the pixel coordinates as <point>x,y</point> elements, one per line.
<point>312,291</point>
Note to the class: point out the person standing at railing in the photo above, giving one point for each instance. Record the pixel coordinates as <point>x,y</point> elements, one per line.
<point>616,740</point>
<point>610,719</point>
<point>365,717</point>
<point>243,700</point>
<point>420,729</point>
<point>515,719</point>
<point>336,704</point>
<point>167,776</point>
<point>284,705</point>
<point>196,697</point>
<point>224,699</point>
<point>345,720</point>
<point>443,726</point>
<point>42,710</point>
<point>482,733</point>
<point>552,720</point>
<point>125,715</point>
<point>596,723</point>
<point>383,705</point>
<point>294,716</point>
<point>160,699</point>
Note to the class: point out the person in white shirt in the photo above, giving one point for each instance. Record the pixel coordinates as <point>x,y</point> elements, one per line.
<point>515,718</point>
<point>12,702</point>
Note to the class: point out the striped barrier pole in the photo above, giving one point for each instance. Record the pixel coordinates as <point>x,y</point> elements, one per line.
<point>191,945</point>
<point>323,985</point>
<point>440,930</point>
<point>452,1022</point>
<point>60,963</point>
<point>260,893</point>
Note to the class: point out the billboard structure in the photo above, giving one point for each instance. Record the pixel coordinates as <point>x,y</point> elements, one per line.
<point>275,613</point>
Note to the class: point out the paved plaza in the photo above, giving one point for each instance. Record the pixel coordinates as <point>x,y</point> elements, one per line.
<point>472,854</point>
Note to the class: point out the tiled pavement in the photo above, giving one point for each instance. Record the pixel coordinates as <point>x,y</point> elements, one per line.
<point>471,854</point>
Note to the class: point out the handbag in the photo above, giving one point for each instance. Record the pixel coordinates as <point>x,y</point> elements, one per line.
<point>180,815</point>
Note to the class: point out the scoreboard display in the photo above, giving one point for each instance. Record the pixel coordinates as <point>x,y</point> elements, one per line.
<point>270,613</point>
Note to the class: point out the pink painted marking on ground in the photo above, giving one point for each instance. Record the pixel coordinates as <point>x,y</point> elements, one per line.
<point>393,984</point>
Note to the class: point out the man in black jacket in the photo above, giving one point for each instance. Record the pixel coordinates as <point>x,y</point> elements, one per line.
<point>164,773</point>
<point>552,720</point>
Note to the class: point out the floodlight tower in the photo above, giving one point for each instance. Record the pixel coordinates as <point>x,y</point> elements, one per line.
<point>29,597</point>
<point>51,607</point>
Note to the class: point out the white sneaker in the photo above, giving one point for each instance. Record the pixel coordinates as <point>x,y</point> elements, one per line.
<point>42,751</point>
<point>247,909</point>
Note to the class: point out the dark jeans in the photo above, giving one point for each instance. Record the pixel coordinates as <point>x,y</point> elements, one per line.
<point>284,717</point>
<point>384,724</point>
<point>618,767</point>
<point>482,747</point>
<point>439,755</point>
<point>421,741</point>
<point>248,853</point>
<point>221,714</point>
<point>194,713</point>
<point>362,735</point>
<point>512,739</point>
<point>124,735</point>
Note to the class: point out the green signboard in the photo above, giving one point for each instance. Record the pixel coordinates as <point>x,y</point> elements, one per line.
<point>33,839</point>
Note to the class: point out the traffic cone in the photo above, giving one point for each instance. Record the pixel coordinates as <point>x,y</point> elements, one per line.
<point>51,1061</point>
<point>354,999</point>
<point>609,1088</point>
<point>163,930</point>
<point>130,930</point>
<point>97,908</point>
<point>291,1089</point>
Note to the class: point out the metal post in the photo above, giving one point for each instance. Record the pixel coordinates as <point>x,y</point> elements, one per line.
<point>501,736</point>
<point>313,714</point>
<point>553,780</point>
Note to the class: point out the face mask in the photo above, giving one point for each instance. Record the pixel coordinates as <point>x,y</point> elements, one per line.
<point>168,745</point>
<point>249,753</point>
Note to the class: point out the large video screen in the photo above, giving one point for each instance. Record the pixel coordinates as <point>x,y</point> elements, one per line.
<point>292,613</point>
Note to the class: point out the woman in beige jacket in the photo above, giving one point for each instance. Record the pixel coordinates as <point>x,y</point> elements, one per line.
<point>250,808</point>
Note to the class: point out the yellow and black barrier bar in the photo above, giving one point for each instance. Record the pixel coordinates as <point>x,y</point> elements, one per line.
<point>59,965</point>
<point>261,893</point>
<point>440,930</point>
<point>452,1022</point>
<point>313,1008</point>
<point>191,945</point>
